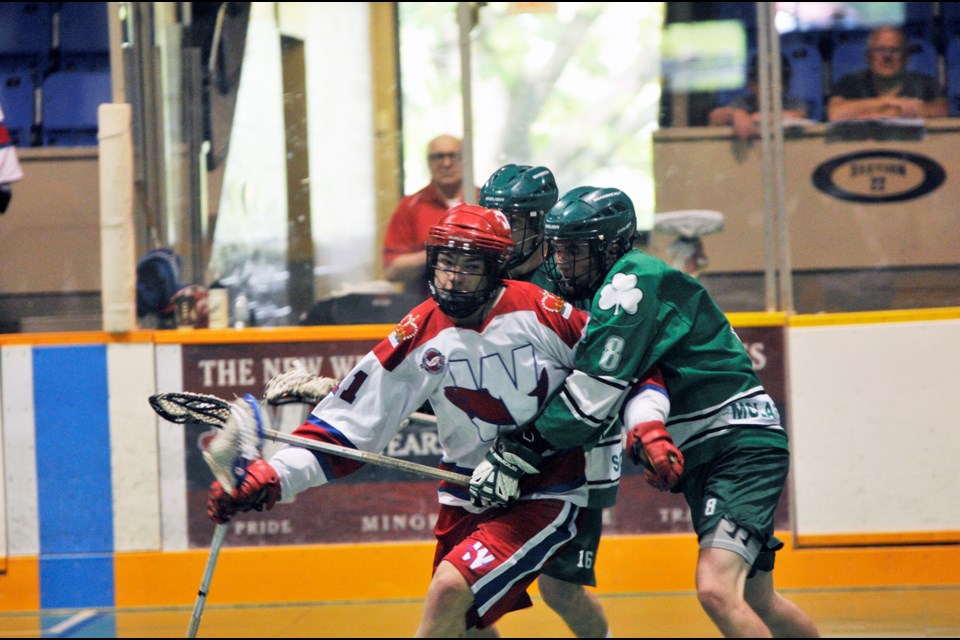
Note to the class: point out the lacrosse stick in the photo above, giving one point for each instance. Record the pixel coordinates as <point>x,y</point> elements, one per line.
<point>227,457</point>
<point>183,407</point>
<point>299,385</point>
<point>218,535</point>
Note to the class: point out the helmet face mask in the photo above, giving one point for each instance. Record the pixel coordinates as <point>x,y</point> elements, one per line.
<point>462,280</point>
<point>576,267</point>
<point>527,229</point>
<point>586,232</point>
<point>466,255</point>
<point>524,194</point>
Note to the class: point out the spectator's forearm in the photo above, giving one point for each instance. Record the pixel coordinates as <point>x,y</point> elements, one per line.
<point>408,268</point>
<point>936,108</point>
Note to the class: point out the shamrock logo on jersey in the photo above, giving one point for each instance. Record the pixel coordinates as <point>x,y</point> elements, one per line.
<point>621,293</point>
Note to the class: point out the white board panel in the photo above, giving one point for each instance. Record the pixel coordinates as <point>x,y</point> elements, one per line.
<point>875,425</point>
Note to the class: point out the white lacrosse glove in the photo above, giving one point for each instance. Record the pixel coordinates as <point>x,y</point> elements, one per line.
<point>244,481</point>
<point>238,443</point>
<point>297,385</point>
<point>496,480</point>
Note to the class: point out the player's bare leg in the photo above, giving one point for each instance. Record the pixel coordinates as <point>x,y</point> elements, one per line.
<point>445,609</point>
<point>579,608</point>
<point>784,618</point>
<point>721,578</point>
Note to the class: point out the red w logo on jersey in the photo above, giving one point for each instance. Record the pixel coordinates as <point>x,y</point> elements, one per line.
<point>478,403</point>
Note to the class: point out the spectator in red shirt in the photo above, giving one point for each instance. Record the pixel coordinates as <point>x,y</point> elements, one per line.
<point>404,256</point>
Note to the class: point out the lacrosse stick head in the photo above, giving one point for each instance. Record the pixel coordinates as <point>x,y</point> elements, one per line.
<point>238,443</point>
<point>181,407</point>
<point>297,384</point>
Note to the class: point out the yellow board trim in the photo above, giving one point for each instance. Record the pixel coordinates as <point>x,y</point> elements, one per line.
<point>334,333</point>
<point>626,565</point>
<point>874,317</point>
<point>771,319</point>
<point>74,337</point>
<point>874,539</point>
<point>396,571</point>
<point>20,585</point>
<point>207,336</point>
<point>275,334</point>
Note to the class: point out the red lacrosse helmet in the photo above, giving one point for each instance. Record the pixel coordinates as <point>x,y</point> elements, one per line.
<point>466,232</point>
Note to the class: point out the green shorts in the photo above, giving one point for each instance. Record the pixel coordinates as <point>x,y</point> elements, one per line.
<point>575,562</point>
<point>739,490</point>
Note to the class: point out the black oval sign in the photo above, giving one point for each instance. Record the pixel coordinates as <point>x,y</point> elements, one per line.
<point>875,177</point>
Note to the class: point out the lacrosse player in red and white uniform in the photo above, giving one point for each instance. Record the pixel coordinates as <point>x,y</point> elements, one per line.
<point>487,354</point>
<point>10,170</point>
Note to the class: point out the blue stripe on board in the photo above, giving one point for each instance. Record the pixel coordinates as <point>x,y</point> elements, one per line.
<point>70,582</point>
<point>73,474</point>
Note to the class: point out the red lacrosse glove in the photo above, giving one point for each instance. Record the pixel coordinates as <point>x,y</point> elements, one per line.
<point>649,444</point>
<point>259,490</point>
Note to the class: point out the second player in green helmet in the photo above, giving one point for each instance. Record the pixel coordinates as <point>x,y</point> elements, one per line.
<point>524,194</point>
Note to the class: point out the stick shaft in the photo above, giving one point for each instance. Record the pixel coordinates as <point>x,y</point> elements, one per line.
<point>368,457</point>
<point>179,407</point>
<point>218,535</point>
<point>425,418</point>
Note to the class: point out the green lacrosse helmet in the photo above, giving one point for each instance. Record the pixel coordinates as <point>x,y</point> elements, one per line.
<point>524,194</point>
<point>586,232</point>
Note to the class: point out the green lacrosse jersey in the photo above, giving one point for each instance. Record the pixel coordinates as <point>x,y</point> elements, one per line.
<point>644,314</point>
<point>604,456</point>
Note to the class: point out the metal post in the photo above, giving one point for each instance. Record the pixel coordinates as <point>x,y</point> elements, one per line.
<point>766,150</point>
<point>779,163</point>
<point>467,19</point>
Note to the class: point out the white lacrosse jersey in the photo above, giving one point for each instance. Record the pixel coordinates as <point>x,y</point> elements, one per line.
<point>10,170</point>
<point>480,381</point>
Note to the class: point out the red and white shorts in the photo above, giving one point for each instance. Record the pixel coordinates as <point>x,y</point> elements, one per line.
<point>501,552</point>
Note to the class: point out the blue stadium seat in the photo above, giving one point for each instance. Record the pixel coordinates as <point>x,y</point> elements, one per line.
<point>842,35</point>
<point>745,12</point>
<point>848,57</point>
<point>953,75</point>
<point>806,80</point>
<point>70,103</point>
<point>25,35</point>
<point>918,20</point>
<point>950,22</point>
<point>16,98</point>
<point>84,35</point>
<point>923,57</point>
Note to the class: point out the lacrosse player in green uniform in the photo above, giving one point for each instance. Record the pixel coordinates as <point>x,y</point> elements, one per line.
<point>734,450</point>
<point>525,194</point>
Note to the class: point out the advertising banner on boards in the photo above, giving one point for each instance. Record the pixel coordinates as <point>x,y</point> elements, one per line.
<point>384,505</point>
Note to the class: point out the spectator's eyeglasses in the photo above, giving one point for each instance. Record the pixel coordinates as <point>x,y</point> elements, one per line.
<point>453,156</point>
<point>884,50</point>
